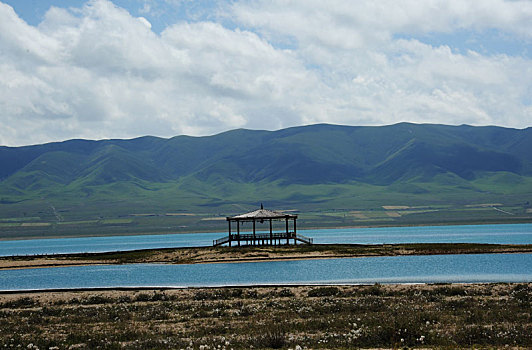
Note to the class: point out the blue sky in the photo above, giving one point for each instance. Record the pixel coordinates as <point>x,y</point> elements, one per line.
<point>119,69</point>
<point>161,14</point>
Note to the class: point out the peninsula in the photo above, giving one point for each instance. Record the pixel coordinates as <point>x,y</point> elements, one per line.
<point>199,255</point>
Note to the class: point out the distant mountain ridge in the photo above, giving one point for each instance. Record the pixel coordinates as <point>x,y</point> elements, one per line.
<point>331,175</point>
<point>315,154</point>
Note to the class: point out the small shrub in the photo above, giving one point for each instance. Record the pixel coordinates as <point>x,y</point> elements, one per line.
<point>124,299</point>
<point>451,291</point>
<point>236,293</point>
<point>219,294</point>
<point>97,299</point>
<point>74,301</point>
<point>23,302</point>
<point>50,311</point>
<point>158,296</point>
<point>274,337</point>
<point>252,294</point>
<point>475,335</point>
<point>323,292</point>
<point>202,295</point>
<point>246,311</point>
<point>286,293</point>
<point>142,297</point>
<point>522,294</point>
<point>375,290</point>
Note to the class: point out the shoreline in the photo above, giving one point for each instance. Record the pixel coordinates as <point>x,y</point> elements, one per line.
<point>245,254</point>
<point>243,286</point>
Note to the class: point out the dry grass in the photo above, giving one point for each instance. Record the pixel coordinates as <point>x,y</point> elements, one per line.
<point>326,317</point>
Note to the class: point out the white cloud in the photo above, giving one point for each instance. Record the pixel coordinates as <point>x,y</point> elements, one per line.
<point>99,72</point>
<point>373,77</point>
<point>350,24</point>
<point>108,75</point>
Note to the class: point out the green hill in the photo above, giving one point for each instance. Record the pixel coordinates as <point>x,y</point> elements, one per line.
<point>334,175</point>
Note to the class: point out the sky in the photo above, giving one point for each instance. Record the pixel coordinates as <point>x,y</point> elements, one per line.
<point>98,69</point>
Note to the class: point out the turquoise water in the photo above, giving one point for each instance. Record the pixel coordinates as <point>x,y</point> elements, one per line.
<point>401,269</point>
<point>499,234</point>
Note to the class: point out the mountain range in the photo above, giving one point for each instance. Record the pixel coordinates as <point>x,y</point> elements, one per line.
<point>292,167</point>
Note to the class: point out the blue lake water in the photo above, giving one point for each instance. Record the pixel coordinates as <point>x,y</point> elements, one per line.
<point>496,234</point>
<point>401,269</point>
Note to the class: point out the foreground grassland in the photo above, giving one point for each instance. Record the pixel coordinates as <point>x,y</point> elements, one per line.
<point>314,317</point>
<point>200,255</point>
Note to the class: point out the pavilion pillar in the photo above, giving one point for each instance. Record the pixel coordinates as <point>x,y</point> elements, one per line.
<point>271,233</point>
<point>253,231</point>
<point>287,233</point>
<point>295,231</point>
<point>238,232</point>
<point>229,232</point>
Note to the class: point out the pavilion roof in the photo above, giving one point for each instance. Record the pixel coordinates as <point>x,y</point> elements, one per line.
<point>262,214</point>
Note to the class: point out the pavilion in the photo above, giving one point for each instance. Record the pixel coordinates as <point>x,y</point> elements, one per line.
<point>262,238</point>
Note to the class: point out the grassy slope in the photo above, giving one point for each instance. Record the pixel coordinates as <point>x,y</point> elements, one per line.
<point>327,205</point>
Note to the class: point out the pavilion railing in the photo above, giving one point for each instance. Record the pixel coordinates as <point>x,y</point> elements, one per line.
<point>220,241</point>
<point>304,239</point>
<point>262,236</point>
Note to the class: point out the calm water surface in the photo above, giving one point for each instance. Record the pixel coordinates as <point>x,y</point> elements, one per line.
<point>500,234</point>
<point>401,269</point>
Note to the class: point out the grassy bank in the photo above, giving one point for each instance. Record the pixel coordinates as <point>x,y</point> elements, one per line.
<point>257,253</point>
<point>38,220</point>
<point>378,316</point>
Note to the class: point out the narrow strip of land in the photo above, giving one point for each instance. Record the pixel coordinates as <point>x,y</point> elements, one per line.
<point>199,255</point>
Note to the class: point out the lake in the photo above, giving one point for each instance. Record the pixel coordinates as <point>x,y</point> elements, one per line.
<point>399,269</point>
<point>495,234</point>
